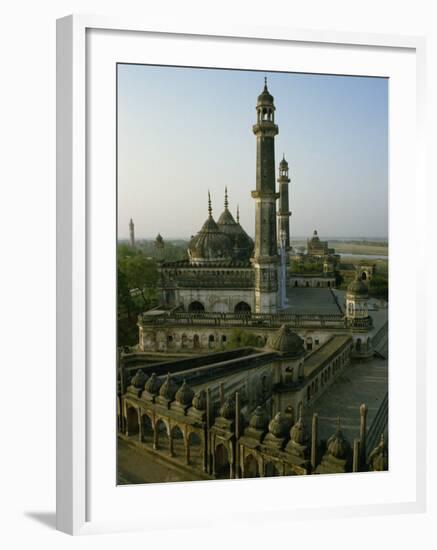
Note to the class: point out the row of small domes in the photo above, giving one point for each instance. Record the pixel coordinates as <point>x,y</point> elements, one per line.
<point>169,390</point>
<point>280,426</point>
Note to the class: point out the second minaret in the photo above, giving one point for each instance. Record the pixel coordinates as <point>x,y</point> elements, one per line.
<point>265,259</point>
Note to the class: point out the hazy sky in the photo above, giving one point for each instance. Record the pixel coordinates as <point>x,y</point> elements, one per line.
<point>183,131</point>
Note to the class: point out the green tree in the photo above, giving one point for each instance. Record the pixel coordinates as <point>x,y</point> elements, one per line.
<point>378,286</point>
<point>240,338</point>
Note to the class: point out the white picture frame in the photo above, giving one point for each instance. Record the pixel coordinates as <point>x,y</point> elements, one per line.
<point>74,342</point>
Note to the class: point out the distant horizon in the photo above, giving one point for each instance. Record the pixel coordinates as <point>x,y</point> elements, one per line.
<point>292,239</point>
<point>184,131</point>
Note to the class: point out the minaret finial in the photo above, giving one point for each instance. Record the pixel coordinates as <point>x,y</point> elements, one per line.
<point>226,198</point>
<point>265,83</point>
<point>238,213</point>
<point>209,205</point>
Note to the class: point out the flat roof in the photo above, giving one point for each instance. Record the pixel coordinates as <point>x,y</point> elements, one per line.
<point>321,355</point>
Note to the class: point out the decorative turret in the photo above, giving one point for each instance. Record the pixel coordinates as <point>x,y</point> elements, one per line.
<point>199,401</point>
<point>137,382</point>
<point>265,258</point>
<point>279,427</point>
<point>357,298</point>
<point>287,342</point>
<point>183,398</point>
<point>167,391</point>
<point>151,388</point>
<point>184,395</point>
<point>298,446</point>
<point>378,459</point>
<point>338,456</point>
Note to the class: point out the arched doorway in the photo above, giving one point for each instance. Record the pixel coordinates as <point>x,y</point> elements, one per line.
<point>196,341</point>
<point>364,276</point>
<point>242,307</point>
<point>358,345</point>
<point>211,341</point>
<point>195,449</point>
<point>162,440</point>
<point>196,307</point>
<point>132,426</point>
<point>271,470</point>
<point>178,446</point>
<point>251,467</point>
<point>184,341</point>
<point>309,343</point>
<point>147,429</point>
<point>296,284</point>
<point>222,466</point>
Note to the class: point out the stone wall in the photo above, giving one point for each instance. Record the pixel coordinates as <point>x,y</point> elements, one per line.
<point>197,339</point>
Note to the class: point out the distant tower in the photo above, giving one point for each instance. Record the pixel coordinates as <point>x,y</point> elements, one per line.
<point>159,247</point>
<point>132,233</point>
<point>265,258</point>
<point>283,211</point>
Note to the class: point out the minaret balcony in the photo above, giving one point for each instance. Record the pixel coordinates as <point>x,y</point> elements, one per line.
<point>266,195</point>
<point>265,128</point>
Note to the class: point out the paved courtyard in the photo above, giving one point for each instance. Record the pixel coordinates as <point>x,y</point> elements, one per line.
<point>311,300</point>
<point>365,382</point>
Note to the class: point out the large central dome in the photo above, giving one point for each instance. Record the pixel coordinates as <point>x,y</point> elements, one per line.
<point>241,242</point>
<point>210,244</point>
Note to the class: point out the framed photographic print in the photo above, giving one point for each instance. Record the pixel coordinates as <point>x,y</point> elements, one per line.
<point>237,325</point>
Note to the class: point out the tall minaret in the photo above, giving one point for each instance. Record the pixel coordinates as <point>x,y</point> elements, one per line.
<point>283,211</point>
<point>132,233</point>
<point>265,258</point>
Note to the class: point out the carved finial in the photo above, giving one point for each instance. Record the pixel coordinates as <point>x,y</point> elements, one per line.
<point>238,214</point>
<point>209,205</point>
<point>265,83</point>
<point>226,198</point>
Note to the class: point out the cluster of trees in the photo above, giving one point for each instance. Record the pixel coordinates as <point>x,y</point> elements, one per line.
<point>137,278</point>
<point>240,338</point>
<point>306,266</point>
<point>172,251</point>
<point>378,286</point>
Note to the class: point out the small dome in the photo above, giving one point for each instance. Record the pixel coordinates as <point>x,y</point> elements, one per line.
<point>227,410</point>
<point>279,425</point>
<point>298,433</point>
<point>168,388</point>
<point>288,342</point>
<point>152,385</point>
<point>159,238</point>
<point>139,379</point>
<point>199,401</point>
<point>378,459</point>
<point>358,288</point>
<point>283,165</point>
<point>265,98</point>
<point>337,446</point>
<point>184,395</point>
<point>259,419</point>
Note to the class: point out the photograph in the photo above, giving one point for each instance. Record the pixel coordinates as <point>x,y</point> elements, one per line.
<point>252,274</point>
